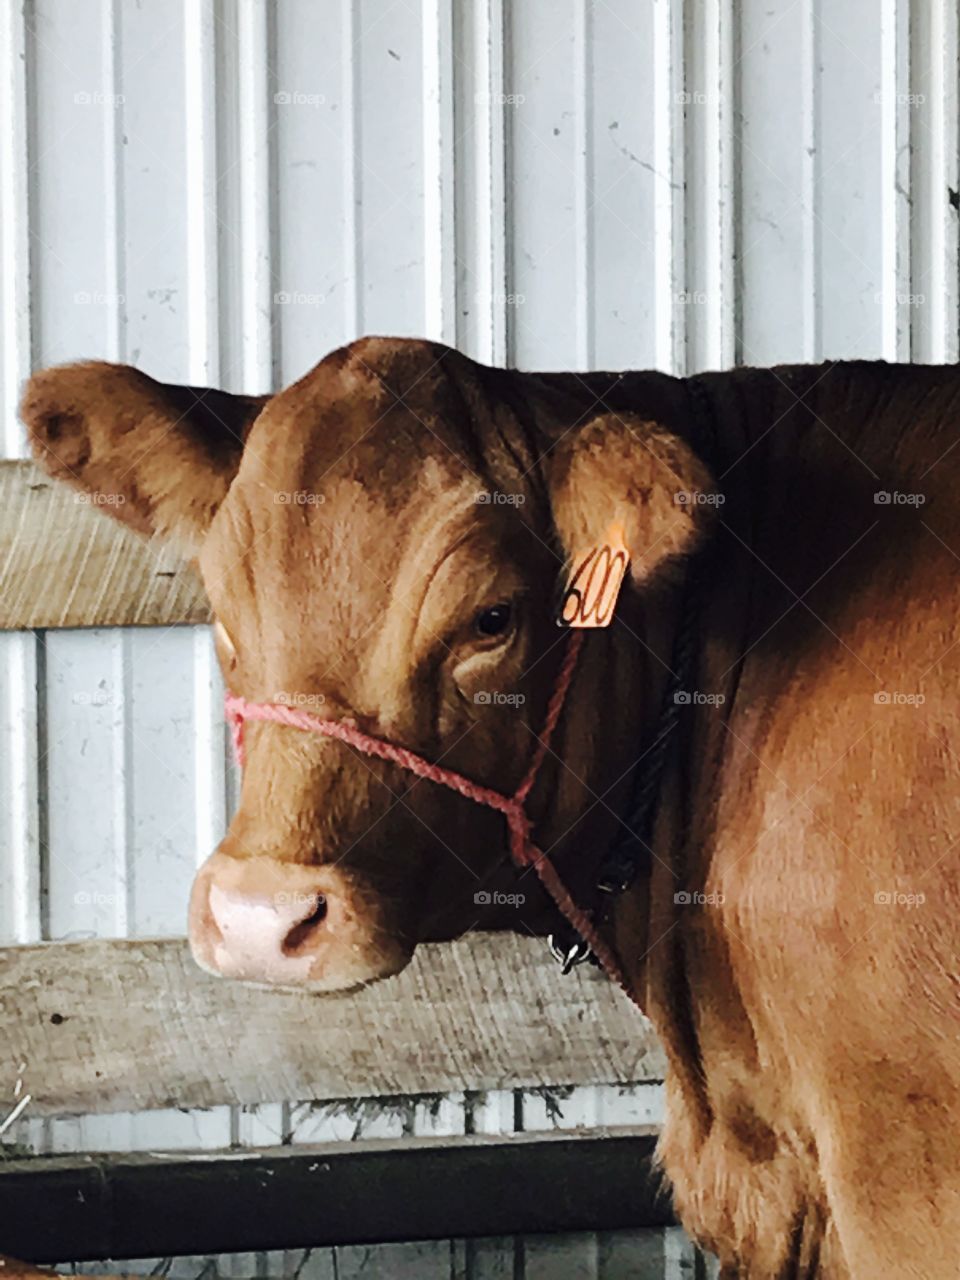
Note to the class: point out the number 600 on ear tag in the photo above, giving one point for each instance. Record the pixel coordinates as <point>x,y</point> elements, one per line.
<point>591,594</point>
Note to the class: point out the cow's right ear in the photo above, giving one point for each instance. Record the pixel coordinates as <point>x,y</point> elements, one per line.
<point>160,458</point>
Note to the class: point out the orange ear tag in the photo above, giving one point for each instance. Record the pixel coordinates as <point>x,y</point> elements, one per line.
<point>591,594</point>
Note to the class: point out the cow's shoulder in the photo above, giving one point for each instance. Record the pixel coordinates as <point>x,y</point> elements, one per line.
<point>374,364</point>
<point>375,372</point>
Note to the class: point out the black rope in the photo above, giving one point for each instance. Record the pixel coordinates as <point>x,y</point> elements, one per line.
<point>621,864</point>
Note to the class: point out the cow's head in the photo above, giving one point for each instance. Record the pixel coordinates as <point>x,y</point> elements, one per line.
<point>384,541</point>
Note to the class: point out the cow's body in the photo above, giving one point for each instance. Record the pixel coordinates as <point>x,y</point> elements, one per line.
<point>810,1003</point>
<point>810,1007</point>
<point>811,1025</point>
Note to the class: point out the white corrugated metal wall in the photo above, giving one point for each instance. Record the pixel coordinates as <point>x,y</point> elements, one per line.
<point>223,190</point>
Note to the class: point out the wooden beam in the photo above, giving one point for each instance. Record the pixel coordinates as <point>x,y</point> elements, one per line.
<point>63,563</point>
<point>13,1269</point>
<point>106,1026</point>
<point>86,1208</point>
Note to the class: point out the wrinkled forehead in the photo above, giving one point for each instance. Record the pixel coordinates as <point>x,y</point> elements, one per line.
<point>378,420</point>
<point>348,495</point>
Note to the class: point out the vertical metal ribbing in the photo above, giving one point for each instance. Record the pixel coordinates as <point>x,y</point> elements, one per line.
<point>256,121</point>
<point>810,166</point>
<point>895,109</point>
<point>439,163</point>
<point>20,657</point>
<point>669,204</point>
<point>709,145</point>
<point>934,182</point>
<point>201,212</point>
<point>500,79</point>
<point>583,184</point>
<point>492,216</point>
<point>114,231</point>
<point>352,169</point>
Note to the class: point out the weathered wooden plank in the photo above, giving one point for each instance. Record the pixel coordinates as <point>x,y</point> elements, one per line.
<point>13,1269</point>
<point>64,564</point>
<point>101,1026</point>
<point>92,1207</point>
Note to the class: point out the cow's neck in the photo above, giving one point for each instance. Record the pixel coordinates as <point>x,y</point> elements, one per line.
<point>616,704</point>
<point>752,427</point>
<point>792,485</point>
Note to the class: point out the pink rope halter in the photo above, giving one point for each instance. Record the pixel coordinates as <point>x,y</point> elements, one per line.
<point>513,807</point>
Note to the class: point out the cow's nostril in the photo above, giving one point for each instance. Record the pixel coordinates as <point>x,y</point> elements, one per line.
<point>301,934</point>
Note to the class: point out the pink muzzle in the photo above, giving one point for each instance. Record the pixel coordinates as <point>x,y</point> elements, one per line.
<point>513,807</point>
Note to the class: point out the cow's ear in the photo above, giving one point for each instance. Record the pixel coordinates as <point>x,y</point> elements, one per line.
<point>619,472</point>
<point>157,457</point>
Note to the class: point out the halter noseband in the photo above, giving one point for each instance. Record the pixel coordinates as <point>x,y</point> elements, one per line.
<point>513,807</point>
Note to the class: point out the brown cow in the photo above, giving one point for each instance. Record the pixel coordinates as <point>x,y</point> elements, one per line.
<point>794,933</point>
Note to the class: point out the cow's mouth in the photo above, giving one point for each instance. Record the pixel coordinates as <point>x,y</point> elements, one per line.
<point>321,990</point>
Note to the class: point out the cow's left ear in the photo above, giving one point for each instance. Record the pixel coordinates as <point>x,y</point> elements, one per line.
<point>619,472</point>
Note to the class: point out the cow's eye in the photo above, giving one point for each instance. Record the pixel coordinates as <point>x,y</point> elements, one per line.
<point>493,621</point>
